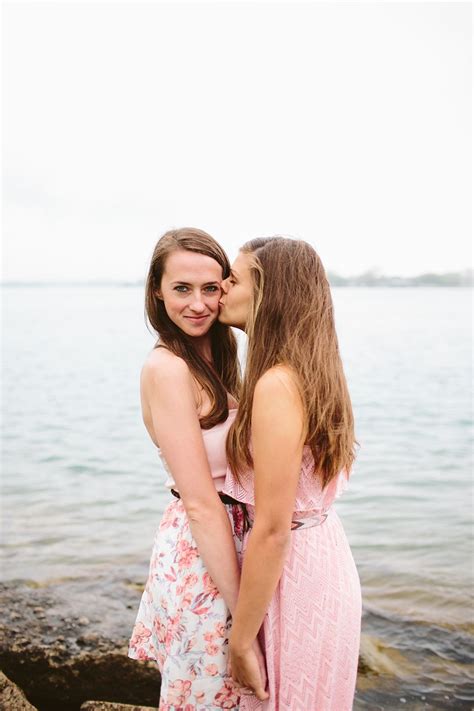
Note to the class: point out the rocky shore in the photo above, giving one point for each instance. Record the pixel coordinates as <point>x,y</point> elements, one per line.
<point>65,643</point>
<point>63,647</point>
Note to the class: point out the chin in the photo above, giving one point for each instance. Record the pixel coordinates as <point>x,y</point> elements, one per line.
<point>222,319</point>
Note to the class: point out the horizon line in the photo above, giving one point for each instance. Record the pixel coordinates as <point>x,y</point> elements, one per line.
<point>370,276</point>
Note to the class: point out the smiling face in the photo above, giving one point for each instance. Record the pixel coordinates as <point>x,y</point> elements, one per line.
<point>237,295</point>
<point>190,290</point>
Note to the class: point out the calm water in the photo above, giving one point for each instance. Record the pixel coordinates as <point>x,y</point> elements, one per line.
<point>82,488</point>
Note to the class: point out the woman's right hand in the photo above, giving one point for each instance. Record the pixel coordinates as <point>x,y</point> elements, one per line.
<point>248,670</point>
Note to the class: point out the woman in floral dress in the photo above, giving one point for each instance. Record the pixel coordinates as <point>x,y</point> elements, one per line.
<point>189,383</point>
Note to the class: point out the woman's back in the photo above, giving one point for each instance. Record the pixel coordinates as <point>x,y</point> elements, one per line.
<point>214,438</point>
<point>215,445</point>
<point>163,360</point>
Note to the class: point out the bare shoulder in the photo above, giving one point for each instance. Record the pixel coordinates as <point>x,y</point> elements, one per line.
<point>278,383</point>
<point>162,366</point>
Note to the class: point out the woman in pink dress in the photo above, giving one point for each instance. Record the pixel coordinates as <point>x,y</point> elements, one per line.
<point>290,451</point>
<point>188,387</point>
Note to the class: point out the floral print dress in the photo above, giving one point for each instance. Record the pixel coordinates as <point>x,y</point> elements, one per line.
<point>183,622</point>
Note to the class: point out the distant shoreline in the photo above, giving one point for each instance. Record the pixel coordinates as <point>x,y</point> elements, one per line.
<point>373,278</point>
<point>367,279</point>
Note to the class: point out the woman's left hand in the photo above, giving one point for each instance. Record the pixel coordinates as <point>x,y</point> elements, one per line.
<point>246,671</point>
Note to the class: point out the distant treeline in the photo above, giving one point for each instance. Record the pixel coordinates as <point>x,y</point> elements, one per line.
<point>369,278</point>
<point>373,278</point>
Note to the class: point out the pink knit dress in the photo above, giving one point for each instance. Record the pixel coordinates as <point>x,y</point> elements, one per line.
<point>311,631</point>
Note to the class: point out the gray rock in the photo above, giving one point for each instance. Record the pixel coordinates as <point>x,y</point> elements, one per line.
<point>11,697</point>
<point>59,662</point>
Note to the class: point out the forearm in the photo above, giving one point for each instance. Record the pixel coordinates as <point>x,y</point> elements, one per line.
<point>213,535</point>
<point>263,565</point>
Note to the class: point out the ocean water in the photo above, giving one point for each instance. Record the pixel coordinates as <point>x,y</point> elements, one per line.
<point>82,485</point>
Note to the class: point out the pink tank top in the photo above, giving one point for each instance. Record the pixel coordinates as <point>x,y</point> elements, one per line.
<point>214,443</point>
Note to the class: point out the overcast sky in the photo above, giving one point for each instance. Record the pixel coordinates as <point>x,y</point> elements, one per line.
<point>348,125</point>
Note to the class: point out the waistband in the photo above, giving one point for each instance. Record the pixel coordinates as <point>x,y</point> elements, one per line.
<point>309,521</point>
<point>223,497</point>
<point>298,522</point>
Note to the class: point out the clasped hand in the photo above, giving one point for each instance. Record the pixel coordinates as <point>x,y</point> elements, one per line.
<point>248,669</point>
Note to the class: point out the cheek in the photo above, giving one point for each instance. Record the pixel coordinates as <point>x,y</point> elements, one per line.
<point>237,298</point>
<point>171,303</point>
<point>213,301</point>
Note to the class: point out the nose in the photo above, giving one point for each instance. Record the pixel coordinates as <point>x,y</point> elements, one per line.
<point>197,305</point>
<point>224,286</point>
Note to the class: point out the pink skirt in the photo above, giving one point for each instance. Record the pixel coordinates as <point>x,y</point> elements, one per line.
<point>311,631</point>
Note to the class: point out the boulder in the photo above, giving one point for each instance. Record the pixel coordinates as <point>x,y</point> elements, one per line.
<point>12,698</point>
<point>66,642</point>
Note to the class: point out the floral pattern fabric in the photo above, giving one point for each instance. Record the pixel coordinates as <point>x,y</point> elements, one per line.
<point>183,622</point>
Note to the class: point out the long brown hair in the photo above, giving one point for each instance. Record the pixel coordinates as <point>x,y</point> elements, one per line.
<point>224,375</point>
<point>291,322</point>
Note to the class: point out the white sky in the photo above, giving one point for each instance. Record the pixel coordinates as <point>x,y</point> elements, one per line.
<point>348,125</point>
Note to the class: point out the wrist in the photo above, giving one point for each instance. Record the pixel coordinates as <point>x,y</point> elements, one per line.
<point>238,645</point>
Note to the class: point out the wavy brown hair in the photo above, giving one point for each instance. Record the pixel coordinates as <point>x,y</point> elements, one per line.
<point>291,322</point>
<point>223,375</point>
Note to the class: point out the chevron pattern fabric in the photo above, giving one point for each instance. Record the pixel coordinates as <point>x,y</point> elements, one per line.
<point>311,631</point>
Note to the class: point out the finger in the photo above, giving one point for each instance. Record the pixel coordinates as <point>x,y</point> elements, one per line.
<point>260,693</point>
<point>236,680</point>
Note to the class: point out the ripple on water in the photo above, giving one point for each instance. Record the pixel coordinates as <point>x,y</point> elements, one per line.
<point>80,468</point>
<point>418,658</point>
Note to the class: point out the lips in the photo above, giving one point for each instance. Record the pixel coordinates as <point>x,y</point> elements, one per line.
<point>197,319</point>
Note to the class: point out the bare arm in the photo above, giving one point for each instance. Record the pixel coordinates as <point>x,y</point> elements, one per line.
<point>167,387</point>
<point>277,440</point>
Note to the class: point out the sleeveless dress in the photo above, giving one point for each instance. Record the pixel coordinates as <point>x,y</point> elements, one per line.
<point>311,631</point>
<point>183,622</point>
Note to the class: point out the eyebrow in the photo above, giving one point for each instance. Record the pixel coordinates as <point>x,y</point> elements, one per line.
<point>187,283</point>
<point>233,273</point>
